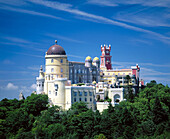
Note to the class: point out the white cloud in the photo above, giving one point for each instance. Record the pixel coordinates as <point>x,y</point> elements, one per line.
<point>149,72</point>
<point>68,8</point>
<point>144,16</point>
<point>139,41</point>
<point>16,40</point>
<point>28,89</point>
<point>30,12</point>
<point>150,3</point>
<point>21,43</point>
<point>11,86</point>
<point>103,3</point>
<point>14,2</point>
<point>28,54</point>
<point>33,86</point>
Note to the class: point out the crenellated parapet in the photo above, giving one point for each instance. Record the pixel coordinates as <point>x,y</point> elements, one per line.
<point>105,57</point>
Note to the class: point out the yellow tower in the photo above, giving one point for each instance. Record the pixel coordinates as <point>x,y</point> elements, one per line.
<point>56,71</point>
<point>56,63</point>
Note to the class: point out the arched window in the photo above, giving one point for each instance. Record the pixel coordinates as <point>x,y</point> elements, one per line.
<point>52,60</point>
<point>61,61</point>
<point>74,99</point>
<point>90,99</point>
<point>116,98</point>
<point>52,69</point>
<point>61,69</point>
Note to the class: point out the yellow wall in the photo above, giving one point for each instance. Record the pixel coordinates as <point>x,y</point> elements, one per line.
<point>57,65</point>
<point>109,75</point>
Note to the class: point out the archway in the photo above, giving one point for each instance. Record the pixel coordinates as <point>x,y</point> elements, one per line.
<point>117,98</point>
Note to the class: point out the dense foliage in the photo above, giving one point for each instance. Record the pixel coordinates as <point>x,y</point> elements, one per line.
<point>143,116</point>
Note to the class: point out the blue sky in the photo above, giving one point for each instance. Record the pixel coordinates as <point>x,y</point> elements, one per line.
<point>138,31</point>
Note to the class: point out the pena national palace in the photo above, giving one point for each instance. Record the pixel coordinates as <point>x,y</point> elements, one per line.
<point>93,81</point>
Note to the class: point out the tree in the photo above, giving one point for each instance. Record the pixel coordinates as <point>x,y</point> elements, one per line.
<point>79,107</point>
<point>128,79</point>
<point>159,114</point>
<point>42,123</point>
<point>151,84</point>
<point>34,104</point>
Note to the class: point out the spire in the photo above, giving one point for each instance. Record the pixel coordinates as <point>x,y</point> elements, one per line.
<point>41,73</point>
<point>21,96</point>
<point>41,69</point>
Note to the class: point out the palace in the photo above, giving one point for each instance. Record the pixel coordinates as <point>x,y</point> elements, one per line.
<point>66,82</point>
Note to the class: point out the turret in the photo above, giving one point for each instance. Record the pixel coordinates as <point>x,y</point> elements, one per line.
<point>40,81</point>
<point>88,62</point>
<point>96,62</point>
<point>21,96</point>
<point>105,57</point>
<point>56,63</point>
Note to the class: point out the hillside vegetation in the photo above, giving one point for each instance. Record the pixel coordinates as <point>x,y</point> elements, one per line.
<point>143,116</point>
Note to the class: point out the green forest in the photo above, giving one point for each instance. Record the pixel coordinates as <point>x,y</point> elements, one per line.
<point>145,115</point>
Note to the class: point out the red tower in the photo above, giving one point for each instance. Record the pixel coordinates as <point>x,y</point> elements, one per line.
<point>105,57</point>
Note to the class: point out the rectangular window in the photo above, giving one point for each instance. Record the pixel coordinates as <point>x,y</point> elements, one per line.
<point>75,93</point>
<point>85,99</point>
<point>52,69</point>
<point>61,61</point>
<point>74,99</point>
<point>85,93</point>
<point>61,69</point>
<point>56,87</point>
<point>61,75</point>
<point>80,93</point>
<point>55,93</point>
<point>90,93</point>
<point>52,60</point>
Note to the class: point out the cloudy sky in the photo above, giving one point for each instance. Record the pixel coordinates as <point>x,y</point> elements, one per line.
<point>138,31</point>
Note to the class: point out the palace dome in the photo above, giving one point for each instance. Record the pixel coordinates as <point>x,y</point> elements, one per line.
<point>56,50</point>
<point>96,59</point>
<point>88,58</point>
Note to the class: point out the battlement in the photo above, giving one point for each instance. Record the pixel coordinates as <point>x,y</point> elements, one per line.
<point>105,47</point>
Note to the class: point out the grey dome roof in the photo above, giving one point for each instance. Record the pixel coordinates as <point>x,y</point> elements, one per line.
<point>56,50</point>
